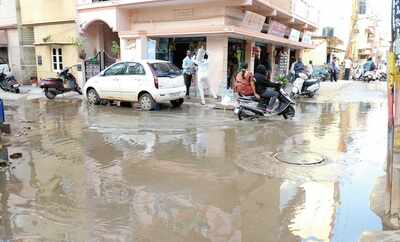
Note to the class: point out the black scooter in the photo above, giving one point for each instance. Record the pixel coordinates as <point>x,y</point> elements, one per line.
<point>66,82</point>
<point>9,83</point>
<point>251,108</point>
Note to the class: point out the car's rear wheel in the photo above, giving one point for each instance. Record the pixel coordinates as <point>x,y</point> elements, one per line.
<point>177,103</point>
<point>146,102</point>
<point>92,97</point>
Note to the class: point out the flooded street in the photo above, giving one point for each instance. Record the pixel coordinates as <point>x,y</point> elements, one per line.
<point>193,174</point>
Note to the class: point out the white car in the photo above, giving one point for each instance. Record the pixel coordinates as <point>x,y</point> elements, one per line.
<point>146,81</point>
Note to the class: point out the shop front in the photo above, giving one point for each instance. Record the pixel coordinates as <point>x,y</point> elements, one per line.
<point>233,33</point>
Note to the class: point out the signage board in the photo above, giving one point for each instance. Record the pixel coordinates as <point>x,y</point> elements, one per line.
<point>294,35</point>
<point>253,21</point>
<point>277,29</point>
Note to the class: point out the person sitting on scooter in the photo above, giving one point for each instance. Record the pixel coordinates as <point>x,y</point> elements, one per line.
<point>265,88</point>
<point>298,67</point>
<point>244,84</point>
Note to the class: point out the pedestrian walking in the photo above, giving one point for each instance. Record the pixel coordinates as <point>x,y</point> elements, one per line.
<point>201,60</point>
<point>188,71</point>
<point>347,68</point>
<point>310,68</point>
<point>334,69</point>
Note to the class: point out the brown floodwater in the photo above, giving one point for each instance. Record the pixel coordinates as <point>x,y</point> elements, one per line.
<point>193,174</point>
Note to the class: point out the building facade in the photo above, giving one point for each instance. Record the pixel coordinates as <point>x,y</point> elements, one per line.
<point>55,34</point>
<point>16,42</point>
<point>233,32</point>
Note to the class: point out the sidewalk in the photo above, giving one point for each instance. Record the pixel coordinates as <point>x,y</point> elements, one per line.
<point>29,92</point>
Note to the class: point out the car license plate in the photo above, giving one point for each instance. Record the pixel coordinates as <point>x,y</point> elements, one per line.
<point>175,94</point>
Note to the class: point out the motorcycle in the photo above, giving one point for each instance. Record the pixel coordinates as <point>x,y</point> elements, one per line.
<point>369,76</point>
<point>8,83</point>
<point>305,86</point>
<point>66,82</point>
<point>381,76</point>
<point>251,108</point>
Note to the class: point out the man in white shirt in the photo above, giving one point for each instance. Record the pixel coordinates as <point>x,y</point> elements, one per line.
<point>347,67</point>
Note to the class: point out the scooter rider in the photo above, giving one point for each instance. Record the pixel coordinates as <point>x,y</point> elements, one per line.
<point>265,88</point>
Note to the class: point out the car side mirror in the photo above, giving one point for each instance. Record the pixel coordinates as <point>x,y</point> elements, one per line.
<point>101,73</point>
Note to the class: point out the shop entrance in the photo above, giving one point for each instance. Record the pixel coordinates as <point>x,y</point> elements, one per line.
<point>262,57</point>
<point>174,49</point>
<point>236,58</point>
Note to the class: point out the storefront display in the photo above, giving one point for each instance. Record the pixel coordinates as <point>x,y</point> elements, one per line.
<point>236,58</point>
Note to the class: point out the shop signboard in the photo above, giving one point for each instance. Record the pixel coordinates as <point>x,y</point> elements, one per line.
<point>294,35</point>
<point>306,38</point>
<point>253,21</point>
<point>277,29</point>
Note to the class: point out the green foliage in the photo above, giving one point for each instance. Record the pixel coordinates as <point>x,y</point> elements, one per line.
<point>115,49</point>
<point>282,79</point>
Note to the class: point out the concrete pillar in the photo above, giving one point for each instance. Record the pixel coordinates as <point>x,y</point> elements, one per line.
<point>141,47</point>
<point>217,50</point>
<point>249,57</point>
<point>271,51</point>
<point>124,49</point>
<point>100,37</point>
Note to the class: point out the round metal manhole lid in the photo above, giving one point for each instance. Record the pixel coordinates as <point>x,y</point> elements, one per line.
<point>300,158</point>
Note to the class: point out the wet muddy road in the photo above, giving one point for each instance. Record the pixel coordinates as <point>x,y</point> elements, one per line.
<point>115,174</point>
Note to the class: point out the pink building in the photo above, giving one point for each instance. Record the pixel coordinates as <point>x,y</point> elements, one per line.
<point>269,32</point>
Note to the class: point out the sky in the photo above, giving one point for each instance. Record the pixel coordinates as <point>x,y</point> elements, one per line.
<point>337,14</point>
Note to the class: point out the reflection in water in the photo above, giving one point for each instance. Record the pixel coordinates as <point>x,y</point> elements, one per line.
<point>189,175</point>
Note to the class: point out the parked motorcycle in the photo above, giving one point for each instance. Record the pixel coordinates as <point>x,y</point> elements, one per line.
<point>66,82</point>
<point>381,76</point>
<point>305,86</point>
<point>8,83</point>
<point>251,108</point>
<point>322,73</point>
<point>369,76</point>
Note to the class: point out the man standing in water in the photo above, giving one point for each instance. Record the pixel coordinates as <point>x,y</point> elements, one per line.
<point>188,71</point>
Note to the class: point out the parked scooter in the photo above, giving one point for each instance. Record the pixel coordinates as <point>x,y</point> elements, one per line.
<point>66,82</point>
<point>369,76</point>
<point>8,83</point>
<point>251,108</point>
<point>305,86</point>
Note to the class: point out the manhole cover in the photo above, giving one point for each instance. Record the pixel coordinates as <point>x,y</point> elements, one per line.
<point>300,158</point>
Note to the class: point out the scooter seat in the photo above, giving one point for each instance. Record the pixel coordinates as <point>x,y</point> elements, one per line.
<point>310,82</point>
<point>248,98</point>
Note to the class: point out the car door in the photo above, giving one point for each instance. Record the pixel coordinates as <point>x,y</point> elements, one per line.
<point>132,81</point>
<point>108,84</point>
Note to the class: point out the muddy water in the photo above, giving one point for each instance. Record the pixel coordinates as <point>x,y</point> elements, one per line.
<point>115,174</point>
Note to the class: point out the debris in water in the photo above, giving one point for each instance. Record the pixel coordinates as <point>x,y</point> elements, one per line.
<point>16,155</point>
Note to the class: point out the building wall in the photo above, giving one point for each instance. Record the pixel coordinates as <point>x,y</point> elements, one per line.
<point>70,57</point>
<point>14,53</point>
<point>168,18</point>
<point>8,13</point>
<point>32,12</point>
<point>317,55</point>
<point>60,33</point>
<point>66,32</point>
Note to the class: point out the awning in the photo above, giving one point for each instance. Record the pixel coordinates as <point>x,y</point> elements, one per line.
<point>231,31</point>
<point>3,38</point>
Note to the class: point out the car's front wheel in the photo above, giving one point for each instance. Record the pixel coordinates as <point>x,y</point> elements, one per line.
<point>146,102</point>
<point>177,103</point>
<point>92,97</point>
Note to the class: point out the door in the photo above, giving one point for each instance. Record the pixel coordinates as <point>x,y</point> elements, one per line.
<point>131,82</point>
<point>108,85</point>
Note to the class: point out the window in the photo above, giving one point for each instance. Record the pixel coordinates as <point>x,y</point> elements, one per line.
<point>362,6</point>
<point>165,69</point>
<point>117,69</point>
<point>57,59</point>
<point>135,69</point>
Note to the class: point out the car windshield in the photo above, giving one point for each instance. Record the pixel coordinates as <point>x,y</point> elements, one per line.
<point>165,69</point>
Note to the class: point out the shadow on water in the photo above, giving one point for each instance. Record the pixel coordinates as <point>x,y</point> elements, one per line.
<point>190,174</point>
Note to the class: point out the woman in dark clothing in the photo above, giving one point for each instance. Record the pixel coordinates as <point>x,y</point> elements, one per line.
<point>265,88</point>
